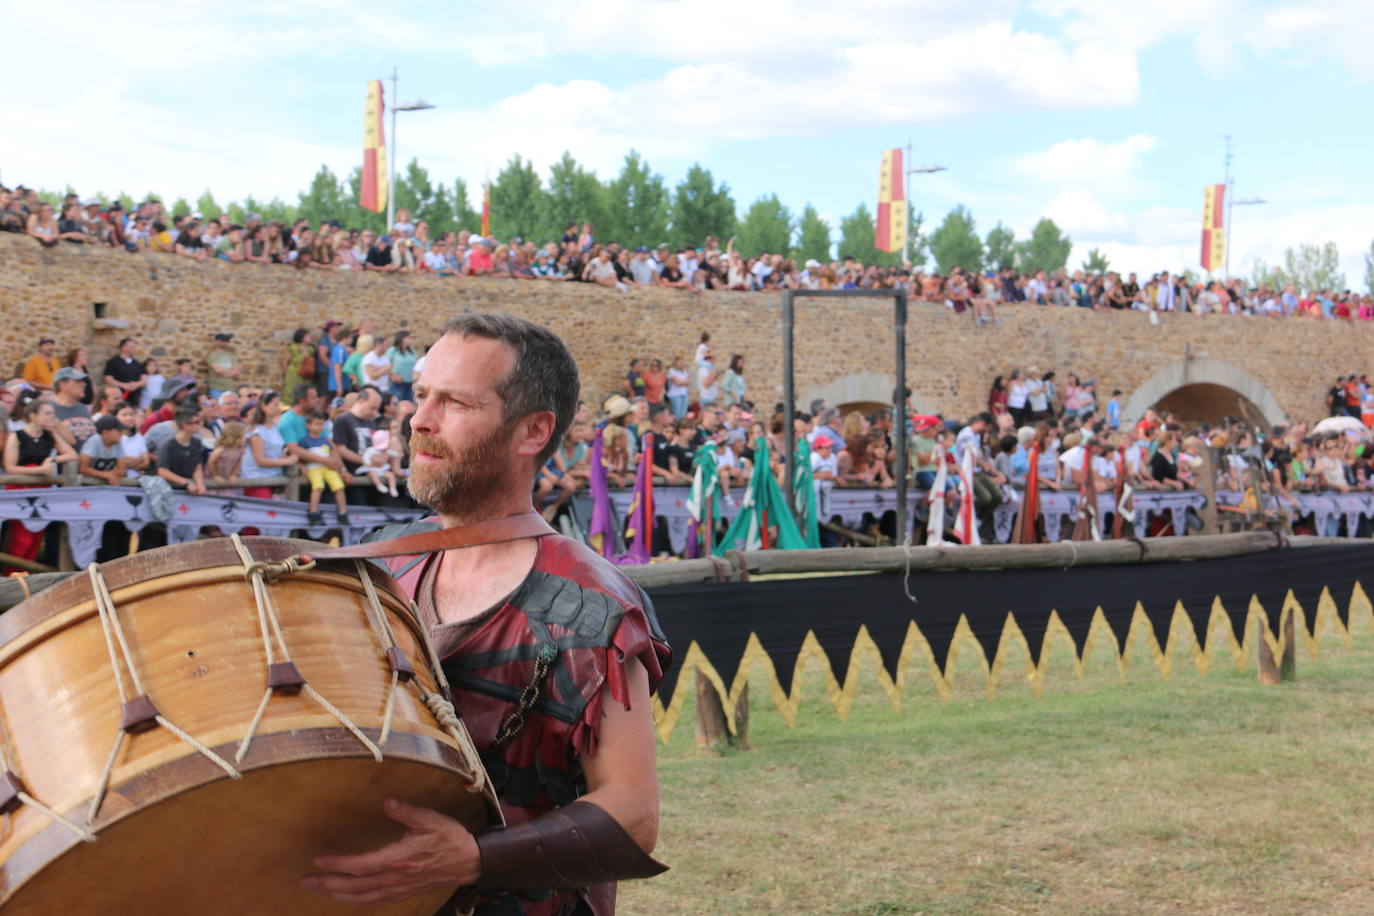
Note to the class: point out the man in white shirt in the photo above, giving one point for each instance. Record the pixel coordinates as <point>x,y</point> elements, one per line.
<point>1165,294</point>
<point>376,368</point>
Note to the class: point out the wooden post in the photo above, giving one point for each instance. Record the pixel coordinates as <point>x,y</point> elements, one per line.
<point>711,730</point>
<point>1288,665</point>
<point>1268,668</point>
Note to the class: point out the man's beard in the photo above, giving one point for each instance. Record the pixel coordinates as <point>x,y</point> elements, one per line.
<point>468,482</point>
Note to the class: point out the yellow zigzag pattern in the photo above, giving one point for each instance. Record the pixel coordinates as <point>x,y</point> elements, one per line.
<point>916,654</point>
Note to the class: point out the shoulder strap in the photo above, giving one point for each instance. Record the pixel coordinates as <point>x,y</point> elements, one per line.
<point>492,531</point>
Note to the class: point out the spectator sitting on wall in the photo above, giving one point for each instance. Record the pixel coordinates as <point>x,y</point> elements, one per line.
<point>40,368</point>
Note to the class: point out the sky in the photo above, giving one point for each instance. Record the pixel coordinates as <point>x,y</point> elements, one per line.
<point>1107,117</point>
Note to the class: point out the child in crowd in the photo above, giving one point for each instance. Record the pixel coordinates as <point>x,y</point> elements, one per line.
<point>377,463</point>
<point>226,457</point>
<point>153,383</point>
<point>319,474</point>
<point>185,374</point>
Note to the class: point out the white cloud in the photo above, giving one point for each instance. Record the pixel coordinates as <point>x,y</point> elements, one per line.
<point>1078,213</point>
<point>1087,161</point>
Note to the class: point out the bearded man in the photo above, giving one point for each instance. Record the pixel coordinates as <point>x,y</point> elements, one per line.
<point>551,651</point>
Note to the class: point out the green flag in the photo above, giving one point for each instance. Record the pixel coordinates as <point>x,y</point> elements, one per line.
<point>804,494</point>
<point>763,503</point>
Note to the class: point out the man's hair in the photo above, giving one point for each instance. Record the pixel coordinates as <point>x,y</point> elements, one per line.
<point>123,341</point>
<point>301,391</point>
<point>544,376</point>
<point>186,415</point>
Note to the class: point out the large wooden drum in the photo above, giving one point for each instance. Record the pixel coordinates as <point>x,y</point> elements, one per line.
<point>185,729</point>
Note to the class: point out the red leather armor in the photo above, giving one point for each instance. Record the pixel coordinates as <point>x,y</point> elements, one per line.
<point>576,602</point>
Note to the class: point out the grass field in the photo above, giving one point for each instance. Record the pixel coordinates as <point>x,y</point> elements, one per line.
<point>1200,794</point>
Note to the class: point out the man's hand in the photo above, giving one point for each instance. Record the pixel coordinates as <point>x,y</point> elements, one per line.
<point>436,852</point>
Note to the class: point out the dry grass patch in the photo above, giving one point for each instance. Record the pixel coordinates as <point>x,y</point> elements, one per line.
<point>1114,794</point>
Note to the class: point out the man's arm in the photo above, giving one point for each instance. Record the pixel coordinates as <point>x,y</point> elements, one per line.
<point>437,851</point>
<point>84,467</point>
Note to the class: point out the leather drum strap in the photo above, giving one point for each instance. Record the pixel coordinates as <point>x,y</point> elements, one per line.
<point>492,531</point>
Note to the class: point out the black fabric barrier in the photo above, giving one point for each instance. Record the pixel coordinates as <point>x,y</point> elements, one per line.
<point>720,617</point>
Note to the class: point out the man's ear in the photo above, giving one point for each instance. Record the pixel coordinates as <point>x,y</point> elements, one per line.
<point>535,432</point>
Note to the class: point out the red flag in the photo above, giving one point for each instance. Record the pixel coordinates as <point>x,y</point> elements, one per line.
<point>372,194</point>
<point>889,226</point>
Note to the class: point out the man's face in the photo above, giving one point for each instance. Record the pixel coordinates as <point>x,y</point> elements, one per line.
<point>46,347</point>
<point>70,387</point>
<point>128,349</point>
<point>465,455</point>
<point>229,404</point>
<point>209,409</point>
<point>369,238</point>
<point>367,405</point>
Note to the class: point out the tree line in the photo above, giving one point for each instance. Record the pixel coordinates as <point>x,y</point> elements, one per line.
<point>637,207</point>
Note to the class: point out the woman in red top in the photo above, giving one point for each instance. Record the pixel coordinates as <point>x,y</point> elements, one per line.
<point>655,382</point>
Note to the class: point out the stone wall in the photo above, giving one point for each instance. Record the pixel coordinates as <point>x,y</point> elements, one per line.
<point>93,297</point>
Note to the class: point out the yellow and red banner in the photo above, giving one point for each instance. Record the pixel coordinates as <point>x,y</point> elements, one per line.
<point>486,209</point>
<point>372,194</point>
<point>889,229</point>
<point>1214,227</point>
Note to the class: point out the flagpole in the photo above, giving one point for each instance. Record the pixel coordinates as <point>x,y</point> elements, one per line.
<point>390,147</point>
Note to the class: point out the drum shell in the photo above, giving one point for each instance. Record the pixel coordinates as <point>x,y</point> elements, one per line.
<point>172,817</point>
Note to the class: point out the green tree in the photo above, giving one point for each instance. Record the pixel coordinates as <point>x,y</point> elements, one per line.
<point>1047,248</point>
<point>767,226</point>
<point>325,199</point>
<point>1097,262</point>
<point>956,243</point>
<point>463,213</point>
<point>813,236</point>
<point>1001,246</point>
<point>206,206</point>
<point>425,200</point>
<point>636,205</point>
<point>574,196</point>
<point>518,204</point>
<point>181,208</point>
<point>1313,268</point>
<point>856,238</point>
<point>701,209</point>
<point>1270,275</point>
<point>917,240</point>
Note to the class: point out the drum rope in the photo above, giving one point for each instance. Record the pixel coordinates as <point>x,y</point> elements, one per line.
<point>257,573</point>
<point>81,832</point>
<point>376,616</point>
<point>437,703</point>
<point>113,629</point>
<point>444,711</point>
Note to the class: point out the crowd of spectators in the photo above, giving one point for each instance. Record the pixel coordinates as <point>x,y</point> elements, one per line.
<point>339,414</point>
<point>579,256</point>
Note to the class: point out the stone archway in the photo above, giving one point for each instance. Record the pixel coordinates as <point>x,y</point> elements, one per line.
<point>861,388</point>
<point>1204,374</point>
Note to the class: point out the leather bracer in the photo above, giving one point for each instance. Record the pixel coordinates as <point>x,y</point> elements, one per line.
<point>578,845</point>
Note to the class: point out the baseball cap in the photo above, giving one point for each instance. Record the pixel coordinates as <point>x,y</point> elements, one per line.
<point>332,323</point>
<point>45,340</point>
<point>643,249</point>
<point>822,441</point>
<point>67,372</point>
<point>812,262</point>
<point>108,421</point>
<point>224,335</point>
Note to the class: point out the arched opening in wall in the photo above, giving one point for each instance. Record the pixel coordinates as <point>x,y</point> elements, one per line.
<point>1205,389</point>
<point>1204,402</point>
<point>864,407</point>
<point>862,391</point>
